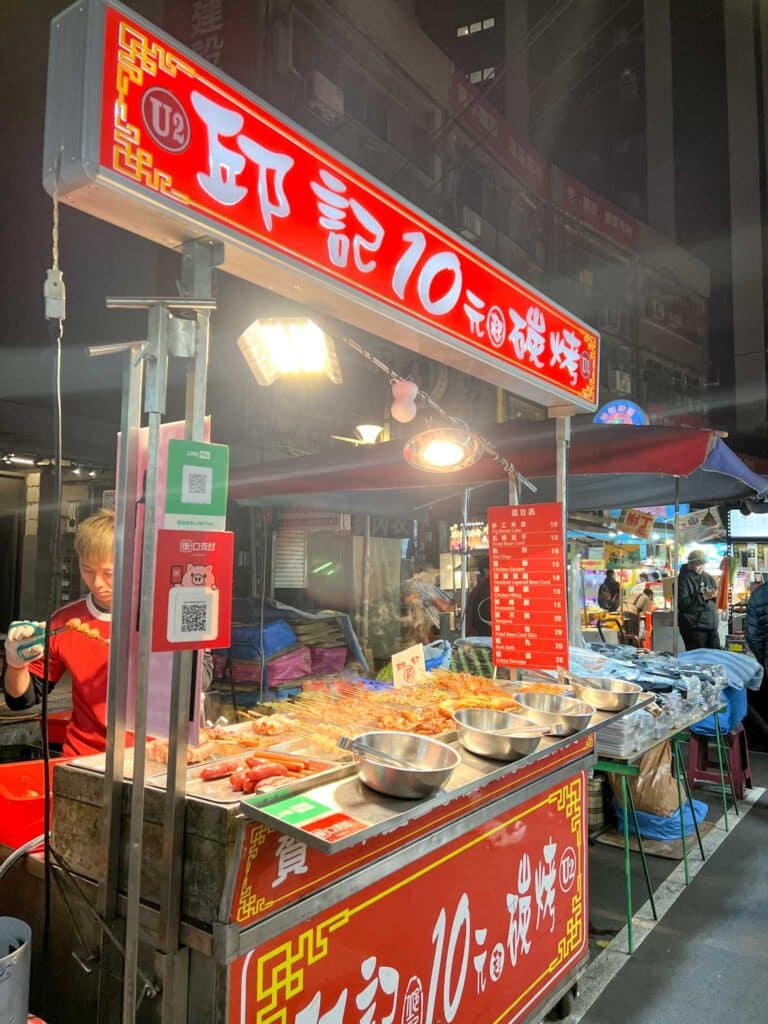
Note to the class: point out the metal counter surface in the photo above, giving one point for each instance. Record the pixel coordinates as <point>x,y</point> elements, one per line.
<point>375,814</point>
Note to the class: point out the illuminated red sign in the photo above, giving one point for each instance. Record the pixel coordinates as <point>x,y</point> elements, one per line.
<point>501,923</point>
<point>529,615</point>
<point>175,135</point>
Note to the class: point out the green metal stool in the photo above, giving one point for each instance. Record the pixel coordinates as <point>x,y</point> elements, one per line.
<point>626,771</point>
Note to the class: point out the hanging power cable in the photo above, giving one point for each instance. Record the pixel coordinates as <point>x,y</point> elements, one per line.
<point>54,294</point>
<point>489,448</point>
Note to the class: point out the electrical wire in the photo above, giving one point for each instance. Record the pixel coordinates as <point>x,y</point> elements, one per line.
<point>56,329</point>
<point>265,534</point>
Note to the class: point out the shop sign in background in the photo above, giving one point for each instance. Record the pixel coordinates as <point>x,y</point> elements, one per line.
<point>196,486</point>
<point>481,929</point>
<point>639,523</point>
<point>622,556</point>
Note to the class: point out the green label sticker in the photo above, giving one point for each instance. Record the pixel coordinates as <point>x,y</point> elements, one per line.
<point>296,809</point>
<point>196,486</point>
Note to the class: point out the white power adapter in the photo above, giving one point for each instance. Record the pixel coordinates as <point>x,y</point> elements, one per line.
<point>55,295</point>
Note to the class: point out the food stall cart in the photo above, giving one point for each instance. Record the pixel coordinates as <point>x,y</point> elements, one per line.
<point>203,914</point>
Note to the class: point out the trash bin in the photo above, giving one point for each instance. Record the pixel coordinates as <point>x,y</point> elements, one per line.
<point>15,959</point>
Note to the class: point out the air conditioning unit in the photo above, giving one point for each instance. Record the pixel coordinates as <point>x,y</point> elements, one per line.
<point>325,98</point>
<point>620,382</point>
<point>471,224</point>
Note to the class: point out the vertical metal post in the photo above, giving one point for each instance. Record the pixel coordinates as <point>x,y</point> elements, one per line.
<point>154,405</point>
<point>197,272</point>
<point>365,596</point>
<point>676,570</point>
<point>117,690</point>
<point>514,489</point>
<point>563,443</point>
<point>464,517</point>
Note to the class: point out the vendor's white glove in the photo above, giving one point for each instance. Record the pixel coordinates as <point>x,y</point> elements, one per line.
<point>20,648</point>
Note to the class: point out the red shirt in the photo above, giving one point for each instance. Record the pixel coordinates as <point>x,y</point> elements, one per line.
<point>87,660</point>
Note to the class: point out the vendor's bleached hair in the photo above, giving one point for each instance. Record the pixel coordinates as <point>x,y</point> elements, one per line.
<point>95,537</point>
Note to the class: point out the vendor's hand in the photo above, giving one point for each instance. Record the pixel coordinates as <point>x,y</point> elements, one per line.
<point>19,652</point>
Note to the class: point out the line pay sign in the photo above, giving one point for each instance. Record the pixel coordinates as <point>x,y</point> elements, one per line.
<point>195,555</point>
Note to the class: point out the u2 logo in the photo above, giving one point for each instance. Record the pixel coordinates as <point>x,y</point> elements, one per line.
<point>165,119</point>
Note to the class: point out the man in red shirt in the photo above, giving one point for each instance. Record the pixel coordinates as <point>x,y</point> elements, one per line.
<point>83,652</point>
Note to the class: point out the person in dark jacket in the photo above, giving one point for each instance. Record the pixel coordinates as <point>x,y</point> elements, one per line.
<point>696,613</point>
<point>756,628</point>
<point>609,593</point>
<point>479,603</point>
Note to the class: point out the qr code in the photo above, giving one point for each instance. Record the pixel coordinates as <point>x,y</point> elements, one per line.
<point>196,485</point>
<point>194,617</point>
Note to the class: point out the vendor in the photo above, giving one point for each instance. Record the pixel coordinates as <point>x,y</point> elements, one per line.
<point>696,612</point>
<point>85,655</point>
<point>609,592</point>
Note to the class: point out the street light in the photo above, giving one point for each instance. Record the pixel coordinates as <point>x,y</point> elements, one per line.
<point>288,347</point>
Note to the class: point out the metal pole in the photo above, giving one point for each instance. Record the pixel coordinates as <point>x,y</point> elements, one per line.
<point>117,690</point>
<point>154,404</point>
<point>563,441</point>
<point>464,517</point>
<point>675,570</point>
<point>514,489</point>
<point>172,964</point>
<point>365,596</point>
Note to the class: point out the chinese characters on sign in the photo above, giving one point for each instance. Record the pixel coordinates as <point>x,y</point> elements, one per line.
<point>528,586</point>
<point>637,522</point>
<point>407,665</point>
<point>218,155</point>
<point>500,922</point>
<point>627,413</point>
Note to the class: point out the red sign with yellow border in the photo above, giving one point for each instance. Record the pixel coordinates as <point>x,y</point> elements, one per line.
<point>481,929</point>
<point>276,871</point>
<point>176,135</point>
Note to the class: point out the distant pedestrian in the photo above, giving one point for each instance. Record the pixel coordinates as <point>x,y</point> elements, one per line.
<point>697,617</point>
<point>609,593</point>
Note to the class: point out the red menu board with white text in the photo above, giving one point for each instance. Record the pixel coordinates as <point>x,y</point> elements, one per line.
<point>529,615</point>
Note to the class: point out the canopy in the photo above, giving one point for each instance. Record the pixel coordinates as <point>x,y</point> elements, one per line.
<point>609,467</point>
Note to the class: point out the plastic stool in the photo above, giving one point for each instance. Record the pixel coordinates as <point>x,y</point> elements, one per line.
<point>702,769</point>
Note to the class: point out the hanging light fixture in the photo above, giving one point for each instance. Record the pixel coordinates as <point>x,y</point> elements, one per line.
<point>288,347</point>
<point>443,450</point>
<point>368,432</point>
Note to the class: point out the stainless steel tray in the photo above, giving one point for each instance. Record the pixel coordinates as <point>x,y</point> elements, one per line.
<point>219,791</point>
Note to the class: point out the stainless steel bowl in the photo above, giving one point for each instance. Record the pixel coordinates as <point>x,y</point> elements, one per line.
<point>607,694</point>
<point>433,764</point>
<point>561,715</point>
<point>496,734</point>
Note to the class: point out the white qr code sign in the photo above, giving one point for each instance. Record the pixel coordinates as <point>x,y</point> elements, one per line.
<point>196,483</point>
<point>193,614</point>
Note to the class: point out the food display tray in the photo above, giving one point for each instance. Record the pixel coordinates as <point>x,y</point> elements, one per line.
<point>219,791</point>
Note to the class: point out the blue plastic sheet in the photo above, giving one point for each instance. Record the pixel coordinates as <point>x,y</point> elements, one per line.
<point>655,826</point>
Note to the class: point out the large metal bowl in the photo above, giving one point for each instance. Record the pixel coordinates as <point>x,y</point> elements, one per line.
<point>607,694</point>
<point>433,764</point>
<point>496,734</point>
<point>561,715</point>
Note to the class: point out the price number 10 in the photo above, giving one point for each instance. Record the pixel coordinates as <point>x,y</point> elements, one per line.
<point>443,962</point>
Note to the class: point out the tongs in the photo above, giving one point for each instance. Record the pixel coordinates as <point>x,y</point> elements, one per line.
<point>364,750</point>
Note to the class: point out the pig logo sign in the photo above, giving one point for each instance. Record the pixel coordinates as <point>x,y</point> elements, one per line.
<point>166,120</point>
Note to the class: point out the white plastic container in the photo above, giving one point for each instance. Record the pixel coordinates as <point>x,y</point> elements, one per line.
<point>15,961</point>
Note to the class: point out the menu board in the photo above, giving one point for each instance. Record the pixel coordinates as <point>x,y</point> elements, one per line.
<point>529,616</point>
